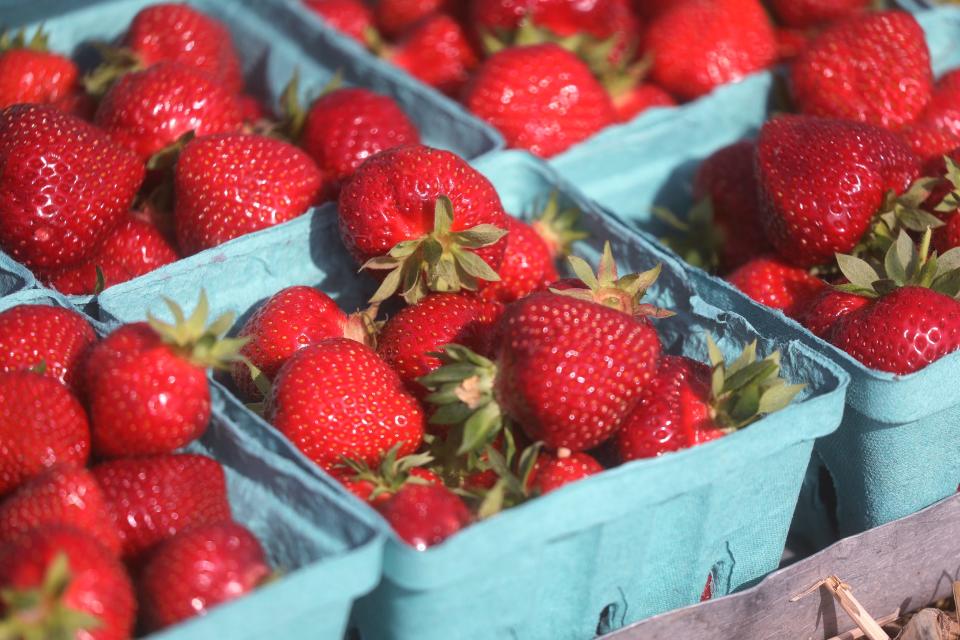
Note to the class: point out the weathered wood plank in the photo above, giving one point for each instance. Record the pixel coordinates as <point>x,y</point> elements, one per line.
<point>902,565</point>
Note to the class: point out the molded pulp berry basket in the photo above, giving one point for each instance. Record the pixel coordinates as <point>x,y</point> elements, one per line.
<point>898,449</point>
<point>272,45</point>
<point>13,275</point>
<point>327,547</point>
<point>633,541</point>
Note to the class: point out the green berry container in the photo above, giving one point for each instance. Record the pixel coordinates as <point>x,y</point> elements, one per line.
<point>328,549</point>
<point>898,449</point>
<point>628,543</point>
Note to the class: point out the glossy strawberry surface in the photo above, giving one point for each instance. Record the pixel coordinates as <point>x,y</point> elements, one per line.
<point>772,282</point>
<point>351,17</point>
<point>825,309</point>
<point>528,265</point>
<point>555,471</point>
<point>425,515</point>
<point>37,77</point>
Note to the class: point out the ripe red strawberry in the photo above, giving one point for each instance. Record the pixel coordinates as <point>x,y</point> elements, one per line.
<point>928,141</point>
<point>149,110</point>
<point>552,472</point>
<point>874,69</point>
<point>57,338</point>
<point>827,308</point>
<point>54,212</point>
<point>179,33</point>
<point>943,110</point>
<point>378,485</point>
<point>912,317</point>
<point>638,99</point>
<point>727,178</point>
<point>688,403</point>
<point>31,73</point>
<point>607,30</point>
<point>436,52</point>
<point>64,494</point>
<point>232,184</point>
<point>136,247</point>
<point>700,44</point>
<point>152,498</point>
<point>395,196</point>
<point>41,424</point>
<point>821,182</point>
<point>59,582</point>
<point>801,14</point>
<point>350,17</point>
<point>790,42</point>
<point>199,569</point>
<point>337,398</point>
<point>425,515</point>
<point>772,282</point>
<point>552,99</point>
<point>396,17</point>
<point>439,319</point>
<point>568,366</point>
<point>147,387</point>
<point>528,265</point>
<point>290,320</point>
<point>345,127</point>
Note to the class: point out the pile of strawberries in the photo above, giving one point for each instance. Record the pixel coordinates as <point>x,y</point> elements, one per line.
<point>492,381</point>
<point>109,176</point>
<point>103,524</point>
<point>836,215</point>
<point>550,73</point>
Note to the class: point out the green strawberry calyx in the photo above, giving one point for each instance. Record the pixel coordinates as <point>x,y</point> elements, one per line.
<point>904,264</point>
<point>39,42</point>
<point>748,388</point>
<point>558,227</point>
<point>203,344</point>
<point>363,326</point>
<point>442,260</point>
<point>696,239</point>
<point>41,613</point>
<point>393,473</point>
<point>609,289</point>
<point>514,470</point>
<point>294,113</point>
<point>115,62</point>
<point>900,212</point>
<point>462,392</point>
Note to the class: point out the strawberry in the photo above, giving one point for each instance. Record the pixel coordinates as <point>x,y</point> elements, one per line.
<point>778,285</point>
<point>688,403</point>
<point>232,184</point>
<point>386,209</point>
<point>408,338</point>
<point>790,42</point>
<point>350,17</point>
<point>568,368</point>
<point>541,98</point>
<point>136,247</point>
<point>150,110</point>
<point>199,569</point>
<point>63,186</point>
<point>290,320</point>
<point>345,127</point>
<point>699,45</point>
<point>827,308</point>
<point>727,178</point>
<point>179,33</point>
<point>62,583</point>
<point>337,399</point>
<point>929,142</point>
<point>553,472</point>
<point>152,498</point>
<point>378,485</point>
<point>943,110</point>
<point>41,423</point>
<point>912,317</point>
<point>527,265</point>
<point>51,338</point>
<point>31,73</point>
<point>425,515</point>
<point>64,494</point>
<point>873,68</point>
<point>802,14</point>
<point>638,99</point>
<point>436,52</point>
<point>396,17</point>
<point>147,386</point>
<point>821,182</point>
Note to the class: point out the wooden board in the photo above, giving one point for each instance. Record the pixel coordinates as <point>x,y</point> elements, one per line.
<point>903,565</point>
